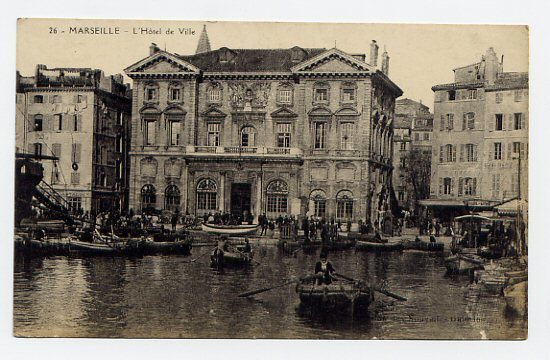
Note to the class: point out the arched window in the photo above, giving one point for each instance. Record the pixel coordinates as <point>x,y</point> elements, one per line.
<point>207,192</point>
<point>148,197</point>
<point>248,136</point>
<point>319,199</point>
<point>344,205</point>
<point>171,197</point>
<point>277,197</point>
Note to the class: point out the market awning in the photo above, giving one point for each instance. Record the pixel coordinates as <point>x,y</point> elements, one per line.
<point>472,217</point>
<point>510,208</point>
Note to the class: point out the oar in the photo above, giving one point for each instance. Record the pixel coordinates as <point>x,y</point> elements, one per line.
<point>259,291</point>
<point>382,291</point>
<point>197,258</point>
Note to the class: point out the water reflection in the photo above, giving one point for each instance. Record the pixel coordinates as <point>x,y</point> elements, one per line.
<point>167,296</point>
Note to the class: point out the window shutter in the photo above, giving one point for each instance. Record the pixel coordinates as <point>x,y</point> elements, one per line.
<point>75,153</point>
<point>51,97</point>
<point>476,121</point>
<point>440,186</point>
<point>491,152</point>
<point>454,153</point>
<point>441,154</point>
<point>452,186</point>
<point>451,121</point>
<point>461,152</point>
<point>474,186</point>
<point>78,122</point>
<point>460,186</point>
<point>504,127</point>
<point>475,152</point>
<point>522,150</point>
<point>510,146</point>
<point>442,123</point>
<point>522,120</point>
<point>75,99</point>
<point>510,121</point>
<point>464,121</point>
<point>30,148</point>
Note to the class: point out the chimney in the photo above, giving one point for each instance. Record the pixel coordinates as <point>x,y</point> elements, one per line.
<point>385,63</point>
<point>153,48</point>
<point>373,57</point>
<point>491,66</point>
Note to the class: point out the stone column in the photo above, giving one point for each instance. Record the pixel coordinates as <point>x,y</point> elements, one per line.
<point>222,191</point>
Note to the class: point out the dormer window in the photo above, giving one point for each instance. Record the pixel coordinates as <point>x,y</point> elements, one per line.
<point>297,54</point>
<point>225,55</point>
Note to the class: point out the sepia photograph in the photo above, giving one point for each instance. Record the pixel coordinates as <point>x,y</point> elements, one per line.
<point>270,180</point>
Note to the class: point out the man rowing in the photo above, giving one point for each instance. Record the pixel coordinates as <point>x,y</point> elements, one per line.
<point>324,269</point>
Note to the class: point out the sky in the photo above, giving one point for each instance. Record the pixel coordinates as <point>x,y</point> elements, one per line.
<point>420,55</point>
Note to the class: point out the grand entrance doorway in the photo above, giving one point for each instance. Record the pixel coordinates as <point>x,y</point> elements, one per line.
<point>240,199</point>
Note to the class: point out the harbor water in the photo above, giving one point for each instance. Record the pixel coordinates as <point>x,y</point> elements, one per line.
<point>172,297</point>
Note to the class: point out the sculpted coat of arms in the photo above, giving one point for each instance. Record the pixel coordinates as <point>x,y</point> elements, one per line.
<point>242,94</point>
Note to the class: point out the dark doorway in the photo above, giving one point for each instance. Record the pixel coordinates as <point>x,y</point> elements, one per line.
<point>240,199</point>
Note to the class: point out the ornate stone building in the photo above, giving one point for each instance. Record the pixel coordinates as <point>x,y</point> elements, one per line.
<point>281,131</point>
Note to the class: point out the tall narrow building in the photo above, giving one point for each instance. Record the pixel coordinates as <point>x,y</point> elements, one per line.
<point>204,43</point>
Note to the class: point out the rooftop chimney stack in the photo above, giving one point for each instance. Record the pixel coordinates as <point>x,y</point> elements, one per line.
<point>153,48</point>
<point>492,67</point>
<point>373,57</point>
<point>385,62</point>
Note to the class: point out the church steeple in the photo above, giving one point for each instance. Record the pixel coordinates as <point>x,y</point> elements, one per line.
<point>204,43</point>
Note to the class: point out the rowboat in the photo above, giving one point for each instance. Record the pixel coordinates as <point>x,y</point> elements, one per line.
<point>230,229</point>
<point>516,297</point>
<point>375,246</point>
<point>459,263</point>
<point>337,296</point>
<point>422,245</point>
<point>178,247</point>
<point>130,247</point>
<point>44,247</point>
<point>220,259</point>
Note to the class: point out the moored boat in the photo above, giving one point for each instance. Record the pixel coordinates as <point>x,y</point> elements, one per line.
<point>422,245</point>
<point>337,296</point>
<point>459,263</point>
<point>230,229</point>
<point>128,248</point>
<point>377,246</point>
<point>177,247</point>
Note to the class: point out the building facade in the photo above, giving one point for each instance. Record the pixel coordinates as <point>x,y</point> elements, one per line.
<point>275,131</point>
<point>481,137</point>
<point>412,149</point>
<point>82,117</point>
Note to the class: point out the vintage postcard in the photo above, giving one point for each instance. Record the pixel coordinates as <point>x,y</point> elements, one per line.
<point>187,179</point>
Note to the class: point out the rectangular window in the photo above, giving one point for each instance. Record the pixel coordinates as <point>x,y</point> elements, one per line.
<point>58,121</point>
<point>38,99</point>
<point>344,209</point>
<point>450,121</point>
<point>426,136</point>
<point>518,121</point>
<point>471,153</point>
<point>403,146</point>
<point>400,196</point>
<point>38,149</point>
<point>75,178</point>
<point>174,132</point>
<point>150,127</point>
<point>498,151</point>
<point>283,135</point>
<point>213,138</point>
<point>214,95</point>
<point>151,94</point>
<point>447,186</point>
<point>277,203</point>
<point>321,95</point>
<point>206,201</point>
<point>451,95</point>
<point>56,99</point>
<point>498,122</point>
<point>285,96</point>
<point>75,203</point>
<point>175,94</point>
<point>346,136</point>
<point>320,206</point>
<point>416,137</point>
<point>516,147</point>
<point>518,94</point>
<point>38,123</point>
<point>348,95</point>
<point>469,121</point>
<point>498,97</point>
<point>320,135</point>
<point>472,94</point>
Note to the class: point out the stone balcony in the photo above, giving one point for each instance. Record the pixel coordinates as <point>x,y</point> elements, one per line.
<point>243,151</point>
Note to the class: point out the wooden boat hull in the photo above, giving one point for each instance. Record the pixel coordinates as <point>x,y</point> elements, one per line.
<point>335,297</point>
<point>423,246</point>
<point>377,247</point>
<point>182,247</point>
<point>227,258</point>
<point>458,264</point>
<point>230,230</point>
<point>45,247</point>
<point>128,248</point>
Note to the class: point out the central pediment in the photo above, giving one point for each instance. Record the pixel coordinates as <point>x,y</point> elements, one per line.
<point>333,61</point>
<point>161,63</point>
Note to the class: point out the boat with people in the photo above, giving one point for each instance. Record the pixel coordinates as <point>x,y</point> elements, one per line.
<point>130,247</point>
<point>231,256</point>
<point>243,229</point>
<point>168,244</point>
<point>422,245</point>
<point>337,296</point>
<point>377,246</point>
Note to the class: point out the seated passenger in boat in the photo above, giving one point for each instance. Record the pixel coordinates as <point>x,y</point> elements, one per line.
<point>324,269</point>
<point>247,248</point>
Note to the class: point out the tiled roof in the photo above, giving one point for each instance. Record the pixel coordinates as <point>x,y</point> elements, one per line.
<point>510,80</point>
<point>243,60</point>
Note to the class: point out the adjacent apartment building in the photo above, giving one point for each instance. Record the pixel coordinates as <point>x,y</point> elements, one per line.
<point>278,131</point>
<point>413,130</point>
<point>480,138</point>
<point>82,117</point>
